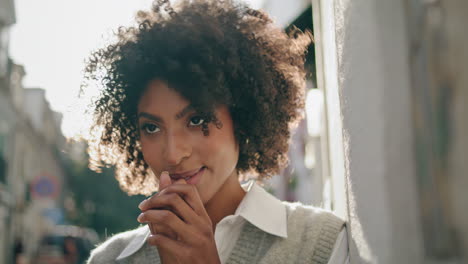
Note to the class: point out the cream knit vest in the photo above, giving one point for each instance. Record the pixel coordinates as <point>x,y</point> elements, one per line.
<point>312,234</point>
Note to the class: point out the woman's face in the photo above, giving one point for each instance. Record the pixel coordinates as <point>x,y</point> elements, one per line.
<point>172,140</point>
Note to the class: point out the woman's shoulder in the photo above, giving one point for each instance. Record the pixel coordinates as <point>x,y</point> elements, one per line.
<point>311,235</point>
<point>297,211</point>
<point>306,220</point>
<point>109,250</point>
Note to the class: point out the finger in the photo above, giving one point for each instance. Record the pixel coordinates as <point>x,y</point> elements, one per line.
<point>166,244</point>
<point>163,230</point>
<point>180,181</point>
<point>167,222</point>
<point>190,194</point>
<point>164,180</point>
<point>174,203</point>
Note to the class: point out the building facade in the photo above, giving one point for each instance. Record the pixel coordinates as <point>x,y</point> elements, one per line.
<point>31,170</point>
<point>7,120</point>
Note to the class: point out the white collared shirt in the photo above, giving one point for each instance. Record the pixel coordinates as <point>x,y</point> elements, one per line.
<point>261,209</point>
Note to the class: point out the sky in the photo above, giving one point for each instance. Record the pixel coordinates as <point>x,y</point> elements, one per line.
<point>52,38</point>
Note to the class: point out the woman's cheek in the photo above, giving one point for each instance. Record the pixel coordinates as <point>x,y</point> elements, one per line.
<point>150,154</point>
<point>206,148</point>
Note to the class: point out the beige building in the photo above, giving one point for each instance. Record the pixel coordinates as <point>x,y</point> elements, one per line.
<point>7,120</point>
<point>31,170</point>
<point>34,174</point>
<point>42,168</point>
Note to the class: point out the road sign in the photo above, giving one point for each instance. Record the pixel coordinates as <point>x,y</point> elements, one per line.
<point>44,186</point>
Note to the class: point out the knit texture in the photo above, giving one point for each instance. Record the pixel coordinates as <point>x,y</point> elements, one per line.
<point>312,234</point>
<point>251,246</point>
<point>107,252</point>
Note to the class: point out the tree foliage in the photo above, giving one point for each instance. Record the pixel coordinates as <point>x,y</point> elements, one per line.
<point>95,200</point>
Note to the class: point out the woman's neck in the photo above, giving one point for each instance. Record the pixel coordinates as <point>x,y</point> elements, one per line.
<point>226,200</point>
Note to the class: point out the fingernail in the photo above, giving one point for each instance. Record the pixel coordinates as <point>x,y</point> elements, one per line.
<point>140,218</point>
<point>165,173</point>
<point>141,205</point>
<point>181,181</point>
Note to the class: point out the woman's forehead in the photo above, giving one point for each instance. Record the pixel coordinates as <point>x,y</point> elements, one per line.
<point>159,96</point>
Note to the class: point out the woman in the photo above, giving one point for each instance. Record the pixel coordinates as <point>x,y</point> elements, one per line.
<point>196,97</point>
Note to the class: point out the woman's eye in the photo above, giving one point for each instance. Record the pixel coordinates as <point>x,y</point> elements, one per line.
<point>150,128</point>
<point>196,121</point>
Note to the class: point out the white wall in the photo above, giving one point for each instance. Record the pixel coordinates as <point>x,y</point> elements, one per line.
<point>456,60</point>
<point>367,83</point>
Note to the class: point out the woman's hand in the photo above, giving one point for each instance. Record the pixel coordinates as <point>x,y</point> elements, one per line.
<point>181,227</point>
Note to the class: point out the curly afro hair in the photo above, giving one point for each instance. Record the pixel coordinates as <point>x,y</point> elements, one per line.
<point>212,53</point>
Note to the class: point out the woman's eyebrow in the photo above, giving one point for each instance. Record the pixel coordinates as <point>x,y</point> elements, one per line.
<point>184,111</point>
<point>150,116</point>
<point>158,119</point>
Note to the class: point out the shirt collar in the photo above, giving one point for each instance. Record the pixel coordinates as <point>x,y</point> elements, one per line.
<point>136,243</point>
<point>263,210</point>
<point>260,208</point>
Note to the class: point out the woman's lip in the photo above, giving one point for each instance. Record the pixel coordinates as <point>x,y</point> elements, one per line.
<point>187,174</point>
<point>196,178</point>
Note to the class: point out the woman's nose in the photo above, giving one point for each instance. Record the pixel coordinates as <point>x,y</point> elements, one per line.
<point>178,148</point>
